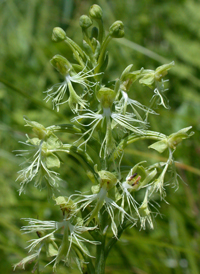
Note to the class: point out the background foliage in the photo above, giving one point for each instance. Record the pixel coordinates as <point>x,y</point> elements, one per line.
<point>157,32</point>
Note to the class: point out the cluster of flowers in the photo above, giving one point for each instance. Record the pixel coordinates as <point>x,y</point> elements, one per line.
<point>107,116</point>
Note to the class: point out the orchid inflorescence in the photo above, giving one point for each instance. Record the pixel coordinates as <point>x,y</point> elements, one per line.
<point>109,118</point>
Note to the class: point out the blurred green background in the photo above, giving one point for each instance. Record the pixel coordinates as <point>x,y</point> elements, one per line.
<point>156,32</point>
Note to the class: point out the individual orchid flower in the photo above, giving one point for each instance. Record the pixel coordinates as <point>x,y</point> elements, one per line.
<point>172,140</point>
<point>112,119</point>
<point>100,198</point>
<point>145,213</point>
<point>66,249</point>
<point>71,241</point>
<point>138,177</point>
<point>57,92</point>
<point>40,158</point>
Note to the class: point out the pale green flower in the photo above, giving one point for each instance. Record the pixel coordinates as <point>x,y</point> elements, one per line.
<point>148,77</point>
<point>58,91</point>
<point>72,238</point>
<point>172,140</point>
<point>138,177</point>
<point>158,185</point>
<point>112,119</point>
<point>40,158</point>
<point>101,199</point>
<point>145,213</point>
<point>66,251</point>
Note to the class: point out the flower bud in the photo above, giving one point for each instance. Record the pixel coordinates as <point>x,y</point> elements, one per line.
<point>58,34</point>
<point>106,97</point>
<point>85,21</point>
<point>116,30</point>
<point>95,12</point>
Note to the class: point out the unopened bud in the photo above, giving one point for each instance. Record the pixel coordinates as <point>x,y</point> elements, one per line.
<point>116,30</point>
<point>95,12</point>
<point>85,21</point>
<point>58,34</point>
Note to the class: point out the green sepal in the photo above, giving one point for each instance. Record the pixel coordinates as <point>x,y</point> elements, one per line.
<point>107,179</point>
<point>116,30</point>
<point>85,21</point>
<point>134,75</point>
<point>159,146</point>
<point>34,141</point>
<point>51,249</point>
<point>125,72</point>
<point>147,79</point>
<point>161,71</point>
<point>62,65</point>
<point>52,160</point>
<point>53,142</point>
<point>95,189</point>
<point>95,12</point>
<point>37,128</point>
<point>175,138</point>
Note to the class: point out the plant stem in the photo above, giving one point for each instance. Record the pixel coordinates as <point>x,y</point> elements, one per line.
<point>114,240</point>
<point>100,257</point>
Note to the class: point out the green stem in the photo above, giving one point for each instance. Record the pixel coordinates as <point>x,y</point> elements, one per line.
<point>78,52</point>
<point>114,240</point>
<point>102,54</point>
<point>100,257</point>
<point>90,267</point>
